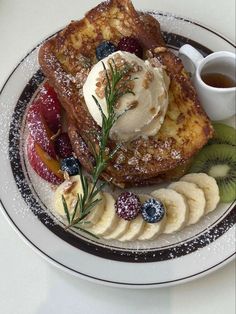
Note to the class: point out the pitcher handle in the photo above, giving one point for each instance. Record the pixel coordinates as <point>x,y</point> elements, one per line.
<point>190,58</point>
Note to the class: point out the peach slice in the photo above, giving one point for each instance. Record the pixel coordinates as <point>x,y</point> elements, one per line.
<point>39,130</point>
<point>50,107</point>
<point>43,164</point>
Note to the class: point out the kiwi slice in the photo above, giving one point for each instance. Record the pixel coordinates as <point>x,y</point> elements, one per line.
<point>219,161</point>
<point>224,134</point>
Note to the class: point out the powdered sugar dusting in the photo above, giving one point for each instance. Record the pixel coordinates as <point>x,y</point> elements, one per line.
<point>170,22</point>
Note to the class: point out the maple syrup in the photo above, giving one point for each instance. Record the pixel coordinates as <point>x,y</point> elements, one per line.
<point>218,80</point>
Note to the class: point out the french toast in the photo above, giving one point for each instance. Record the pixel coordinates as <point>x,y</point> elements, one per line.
<point>66,60</point>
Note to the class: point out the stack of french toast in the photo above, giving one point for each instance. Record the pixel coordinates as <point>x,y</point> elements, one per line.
<point>66,61</point>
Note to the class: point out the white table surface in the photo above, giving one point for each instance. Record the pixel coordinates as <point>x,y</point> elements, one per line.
<point>28,284</point>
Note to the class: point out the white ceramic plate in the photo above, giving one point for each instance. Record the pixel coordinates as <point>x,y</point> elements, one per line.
<point>26,199</point>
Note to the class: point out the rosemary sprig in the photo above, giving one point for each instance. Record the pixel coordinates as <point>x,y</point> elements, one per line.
<point>116,87</point>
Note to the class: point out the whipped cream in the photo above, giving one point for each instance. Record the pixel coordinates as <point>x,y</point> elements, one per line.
<point>144,110</point>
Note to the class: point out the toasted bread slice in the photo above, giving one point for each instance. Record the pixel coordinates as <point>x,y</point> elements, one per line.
<point>66,60</point>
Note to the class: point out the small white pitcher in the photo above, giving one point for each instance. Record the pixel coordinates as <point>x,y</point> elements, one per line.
<point>219,103</point>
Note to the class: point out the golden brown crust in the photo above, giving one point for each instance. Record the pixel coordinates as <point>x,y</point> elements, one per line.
<point>66,60</point>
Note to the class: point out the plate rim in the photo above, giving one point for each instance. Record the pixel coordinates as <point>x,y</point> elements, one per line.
<point>91,278</point>
<point>195,22</point>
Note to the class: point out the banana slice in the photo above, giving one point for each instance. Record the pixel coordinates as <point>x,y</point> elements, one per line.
<point>195,199</point>
<point>120,229</point>
<point>151,230</point>
<point>135,229</point>
<point>70,189</point>
<point>209,187</point>
<point>108,220</point>
<point>177,209</point>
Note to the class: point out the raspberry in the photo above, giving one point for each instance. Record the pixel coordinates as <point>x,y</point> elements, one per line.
<point>132,45</point>
<point>152,210</point>
<point>127,205</point>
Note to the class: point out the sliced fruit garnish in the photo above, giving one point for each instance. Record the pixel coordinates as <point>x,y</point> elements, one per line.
<point>208,185</point>
<point>224,134</point>
<point>194,197</point>
<point>50,107</point>
<point>119,230</point>
<point>70,190</point>
<point>135,229</point>
<point>219,162</point>
<point>108,220</point>
<point>46,167</point>
<point>39,129</point>
<point>177,209</point>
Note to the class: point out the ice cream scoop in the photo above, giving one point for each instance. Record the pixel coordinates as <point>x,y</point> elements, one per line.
<point>142,112</point>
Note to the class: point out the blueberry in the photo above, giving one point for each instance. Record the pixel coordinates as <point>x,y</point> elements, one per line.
<point>105,49</point>
<point>71,165</point>
<point>152,210</point>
